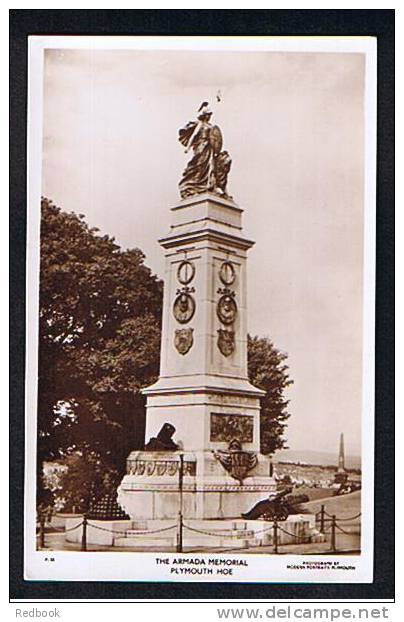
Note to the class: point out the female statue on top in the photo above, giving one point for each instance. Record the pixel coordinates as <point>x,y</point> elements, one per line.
<point>209,167</point>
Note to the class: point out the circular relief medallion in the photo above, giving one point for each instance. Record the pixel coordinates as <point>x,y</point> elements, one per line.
<point>184,308</point>
<point>226,309</point>
<point>185,272</point>
<point>227,273</point>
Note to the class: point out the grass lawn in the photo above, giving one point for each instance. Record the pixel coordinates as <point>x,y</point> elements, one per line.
<point>313,493</point>
<point>343,506</point>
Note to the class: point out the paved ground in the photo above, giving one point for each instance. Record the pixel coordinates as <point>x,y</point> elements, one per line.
<point>347,533</point>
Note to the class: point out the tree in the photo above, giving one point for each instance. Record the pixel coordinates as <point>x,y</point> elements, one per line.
<point>87,477</point>
<point>99,341</point>
<point>267,370</point>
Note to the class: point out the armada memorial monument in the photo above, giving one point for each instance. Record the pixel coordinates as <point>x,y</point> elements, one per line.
<point>203,403</point>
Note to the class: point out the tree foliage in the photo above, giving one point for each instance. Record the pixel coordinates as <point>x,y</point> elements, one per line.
<point>99,345</point>
<point>267,370</point>
<point>99,340</point>
<point>86,478</point>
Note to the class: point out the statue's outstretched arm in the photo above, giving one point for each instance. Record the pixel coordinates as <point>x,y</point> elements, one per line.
<point>186,133</point>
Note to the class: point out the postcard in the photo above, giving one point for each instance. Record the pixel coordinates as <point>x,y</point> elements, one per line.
<point>200,330</point>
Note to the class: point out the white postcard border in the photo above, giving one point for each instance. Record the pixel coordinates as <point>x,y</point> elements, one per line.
<point>135,566</point>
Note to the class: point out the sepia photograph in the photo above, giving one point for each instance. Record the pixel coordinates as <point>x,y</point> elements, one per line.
<point>200,337</point>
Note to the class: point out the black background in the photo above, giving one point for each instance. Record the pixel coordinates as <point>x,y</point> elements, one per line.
<point>379,23</point>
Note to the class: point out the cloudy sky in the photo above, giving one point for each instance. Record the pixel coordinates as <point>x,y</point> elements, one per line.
<point>293,124</point>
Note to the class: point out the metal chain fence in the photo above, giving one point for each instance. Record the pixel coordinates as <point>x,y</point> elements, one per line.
<point>275,527</point>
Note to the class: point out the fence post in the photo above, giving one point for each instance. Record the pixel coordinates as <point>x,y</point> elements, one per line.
<point>275,536</point>
<point>180,521</point>
<point>322,517</point>
<point>42,531</point>
<point>333,525</point>
<point>179,533</point>
<point>84,534</point>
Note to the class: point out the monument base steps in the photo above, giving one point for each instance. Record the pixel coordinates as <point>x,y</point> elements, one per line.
<point>197,533</point>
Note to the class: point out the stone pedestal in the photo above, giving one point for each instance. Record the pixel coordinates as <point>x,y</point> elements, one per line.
<point>203,387</point>
<point>151,489</point>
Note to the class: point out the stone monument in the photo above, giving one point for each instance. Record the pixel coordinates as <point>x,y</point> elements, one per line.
<point>341,475</point>
<point>203,414</point>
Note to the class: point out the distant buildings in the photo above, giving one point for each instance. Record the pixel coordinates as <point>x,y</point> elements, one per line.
<point>301,473</point>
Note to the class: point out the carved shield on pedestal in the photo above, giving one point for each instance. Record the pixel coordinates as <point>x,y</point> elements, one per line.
<point>226,341</point>
<point>216,139</point>
<point>184,339</point>
<point>241,463</point>
<point>236,461</point>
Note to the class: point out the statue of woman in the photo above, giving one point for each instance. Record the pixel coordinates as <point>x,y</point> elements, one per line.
<point>197,176</point>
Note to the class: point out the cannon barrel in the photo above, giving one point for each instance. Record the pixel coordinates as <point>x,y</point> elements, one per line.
<point>296,499</point>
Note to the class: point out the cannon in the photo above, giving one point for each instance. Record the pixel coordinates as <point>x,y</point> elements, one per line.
<point>347,487</point>
<point>294,503</point>
<point>163,441</point>
<point>275,507</point>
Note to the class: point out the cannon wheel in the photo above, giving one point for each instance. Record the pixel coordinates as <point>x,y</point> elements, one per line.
<point>282,513</point>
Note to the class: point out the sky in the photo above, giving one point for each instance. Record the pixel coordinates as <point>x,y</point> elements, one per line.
<point>293,124</point>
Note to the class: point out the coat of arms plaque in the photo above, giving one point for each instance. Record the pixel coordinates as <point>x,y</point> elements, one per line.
<point>236,461</point>
<point>226,341</point>
<point>184,339</point>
